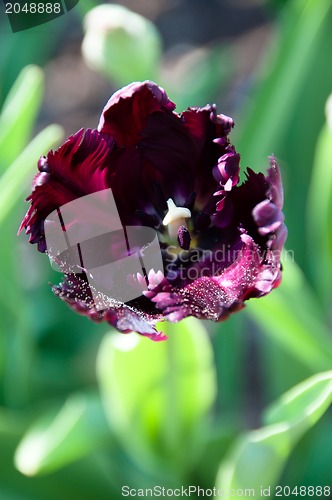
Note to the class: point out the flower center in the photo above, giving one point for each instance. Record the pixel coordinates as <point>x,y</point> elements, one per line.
<point>175,218</point>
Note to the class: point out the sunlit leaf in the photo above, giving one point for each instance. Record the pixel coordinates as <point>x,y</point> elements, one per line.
<point>285,108</point>
<point>303,404</point>
<point>291,317</point>
<point>258,458</point>
<point>13,181</point>
<point>157,394</point>
<point>61,437</point>
<point>319,215</point>
<point>90,477</point>
<point>19,113</point>
<point>282,75</point>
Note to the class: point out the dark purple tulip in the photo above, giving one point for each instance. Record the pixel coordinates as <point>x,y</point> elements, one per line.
<point>178,174</point>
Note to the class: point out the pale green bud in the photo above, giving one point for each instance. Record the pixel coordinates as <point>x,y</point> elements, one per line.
<point>121,44</point>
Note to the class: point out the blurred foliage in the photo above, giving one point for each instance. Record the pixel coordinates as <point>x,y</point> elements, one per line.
<point>19,113</point>
<point>84,412</point>
<point>160,414</point>
<point>24,48</point>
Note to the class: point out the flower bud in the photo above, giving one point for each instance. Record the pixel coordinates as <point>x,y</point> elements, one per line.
<point>121,44</point>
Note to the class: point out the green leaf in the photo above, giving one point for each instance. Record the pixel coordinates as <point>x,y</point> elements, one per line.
<point>91,477</point>
<point>304,404</point>
<point>291,317</point>
<point>157,395</point>
<point>283,72</point>
<point>286,106</point>
<point>12,182</point>
<point>64,436</point>
<point>258,458</point>
<point>319,215</point>
<point>19,113</point>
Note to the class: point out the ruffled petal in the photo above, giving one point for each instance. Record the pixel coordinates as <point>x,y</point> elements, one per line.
<point>126,112</point>
<point>227,171</point>
<point>208,132</point>
<point>214,297</point>
<point>76,292</point>
<point>267,214</point>
<point>268,217</point>
<point>75,169</point>
<point>153,142</point>
<point>275,192</point>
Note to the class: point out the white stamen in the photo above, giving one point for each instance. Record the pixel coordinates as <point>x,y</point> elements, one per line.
<point>175,213</point>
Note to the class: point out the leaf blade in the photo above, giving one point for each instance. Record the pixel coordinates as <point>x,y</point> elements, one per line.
<point>19,113</point>
<point>12,182</point>
<point>257,459</point>
<point>154,410</point>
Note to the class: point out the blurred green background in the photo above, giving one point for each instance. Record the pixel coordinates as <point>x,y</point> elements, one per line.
<point>239,405</point>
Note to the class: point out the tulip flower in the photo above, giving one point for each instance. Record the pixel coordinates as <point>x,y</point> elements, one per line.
<point>178,176</point>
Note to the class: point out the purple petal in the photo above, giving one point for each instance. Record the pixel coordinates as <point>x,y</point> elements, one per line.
<point>75,291</point>
<point>278,239</point>
<point>215,297</point>
<point>275,192</point>
<point>227,170</point>
<point>268,217</point>
<point>77,168</point>
<point>126,112</point>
